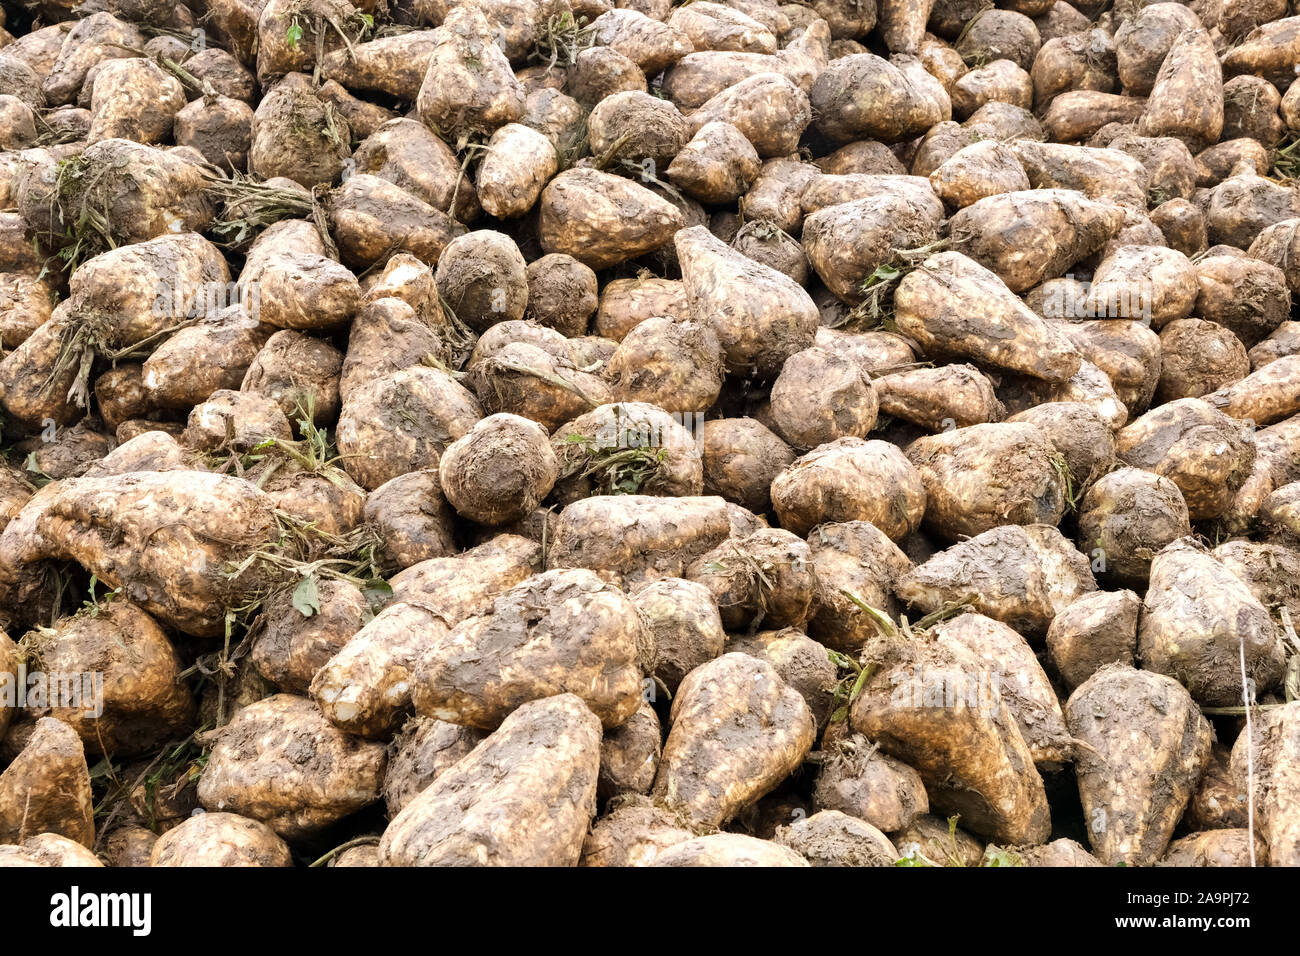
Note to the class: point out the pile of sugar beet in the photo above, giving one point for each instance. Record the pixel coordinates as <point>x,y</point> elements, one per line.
<point>579,432</point>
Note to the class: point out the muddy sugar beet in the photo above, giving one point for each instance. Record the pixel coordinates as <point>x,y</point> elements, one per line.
<point>630,433</point>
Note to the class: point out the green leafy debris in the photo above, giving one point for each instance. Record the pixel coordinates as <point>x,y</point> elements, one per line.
<point>306,597</point>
